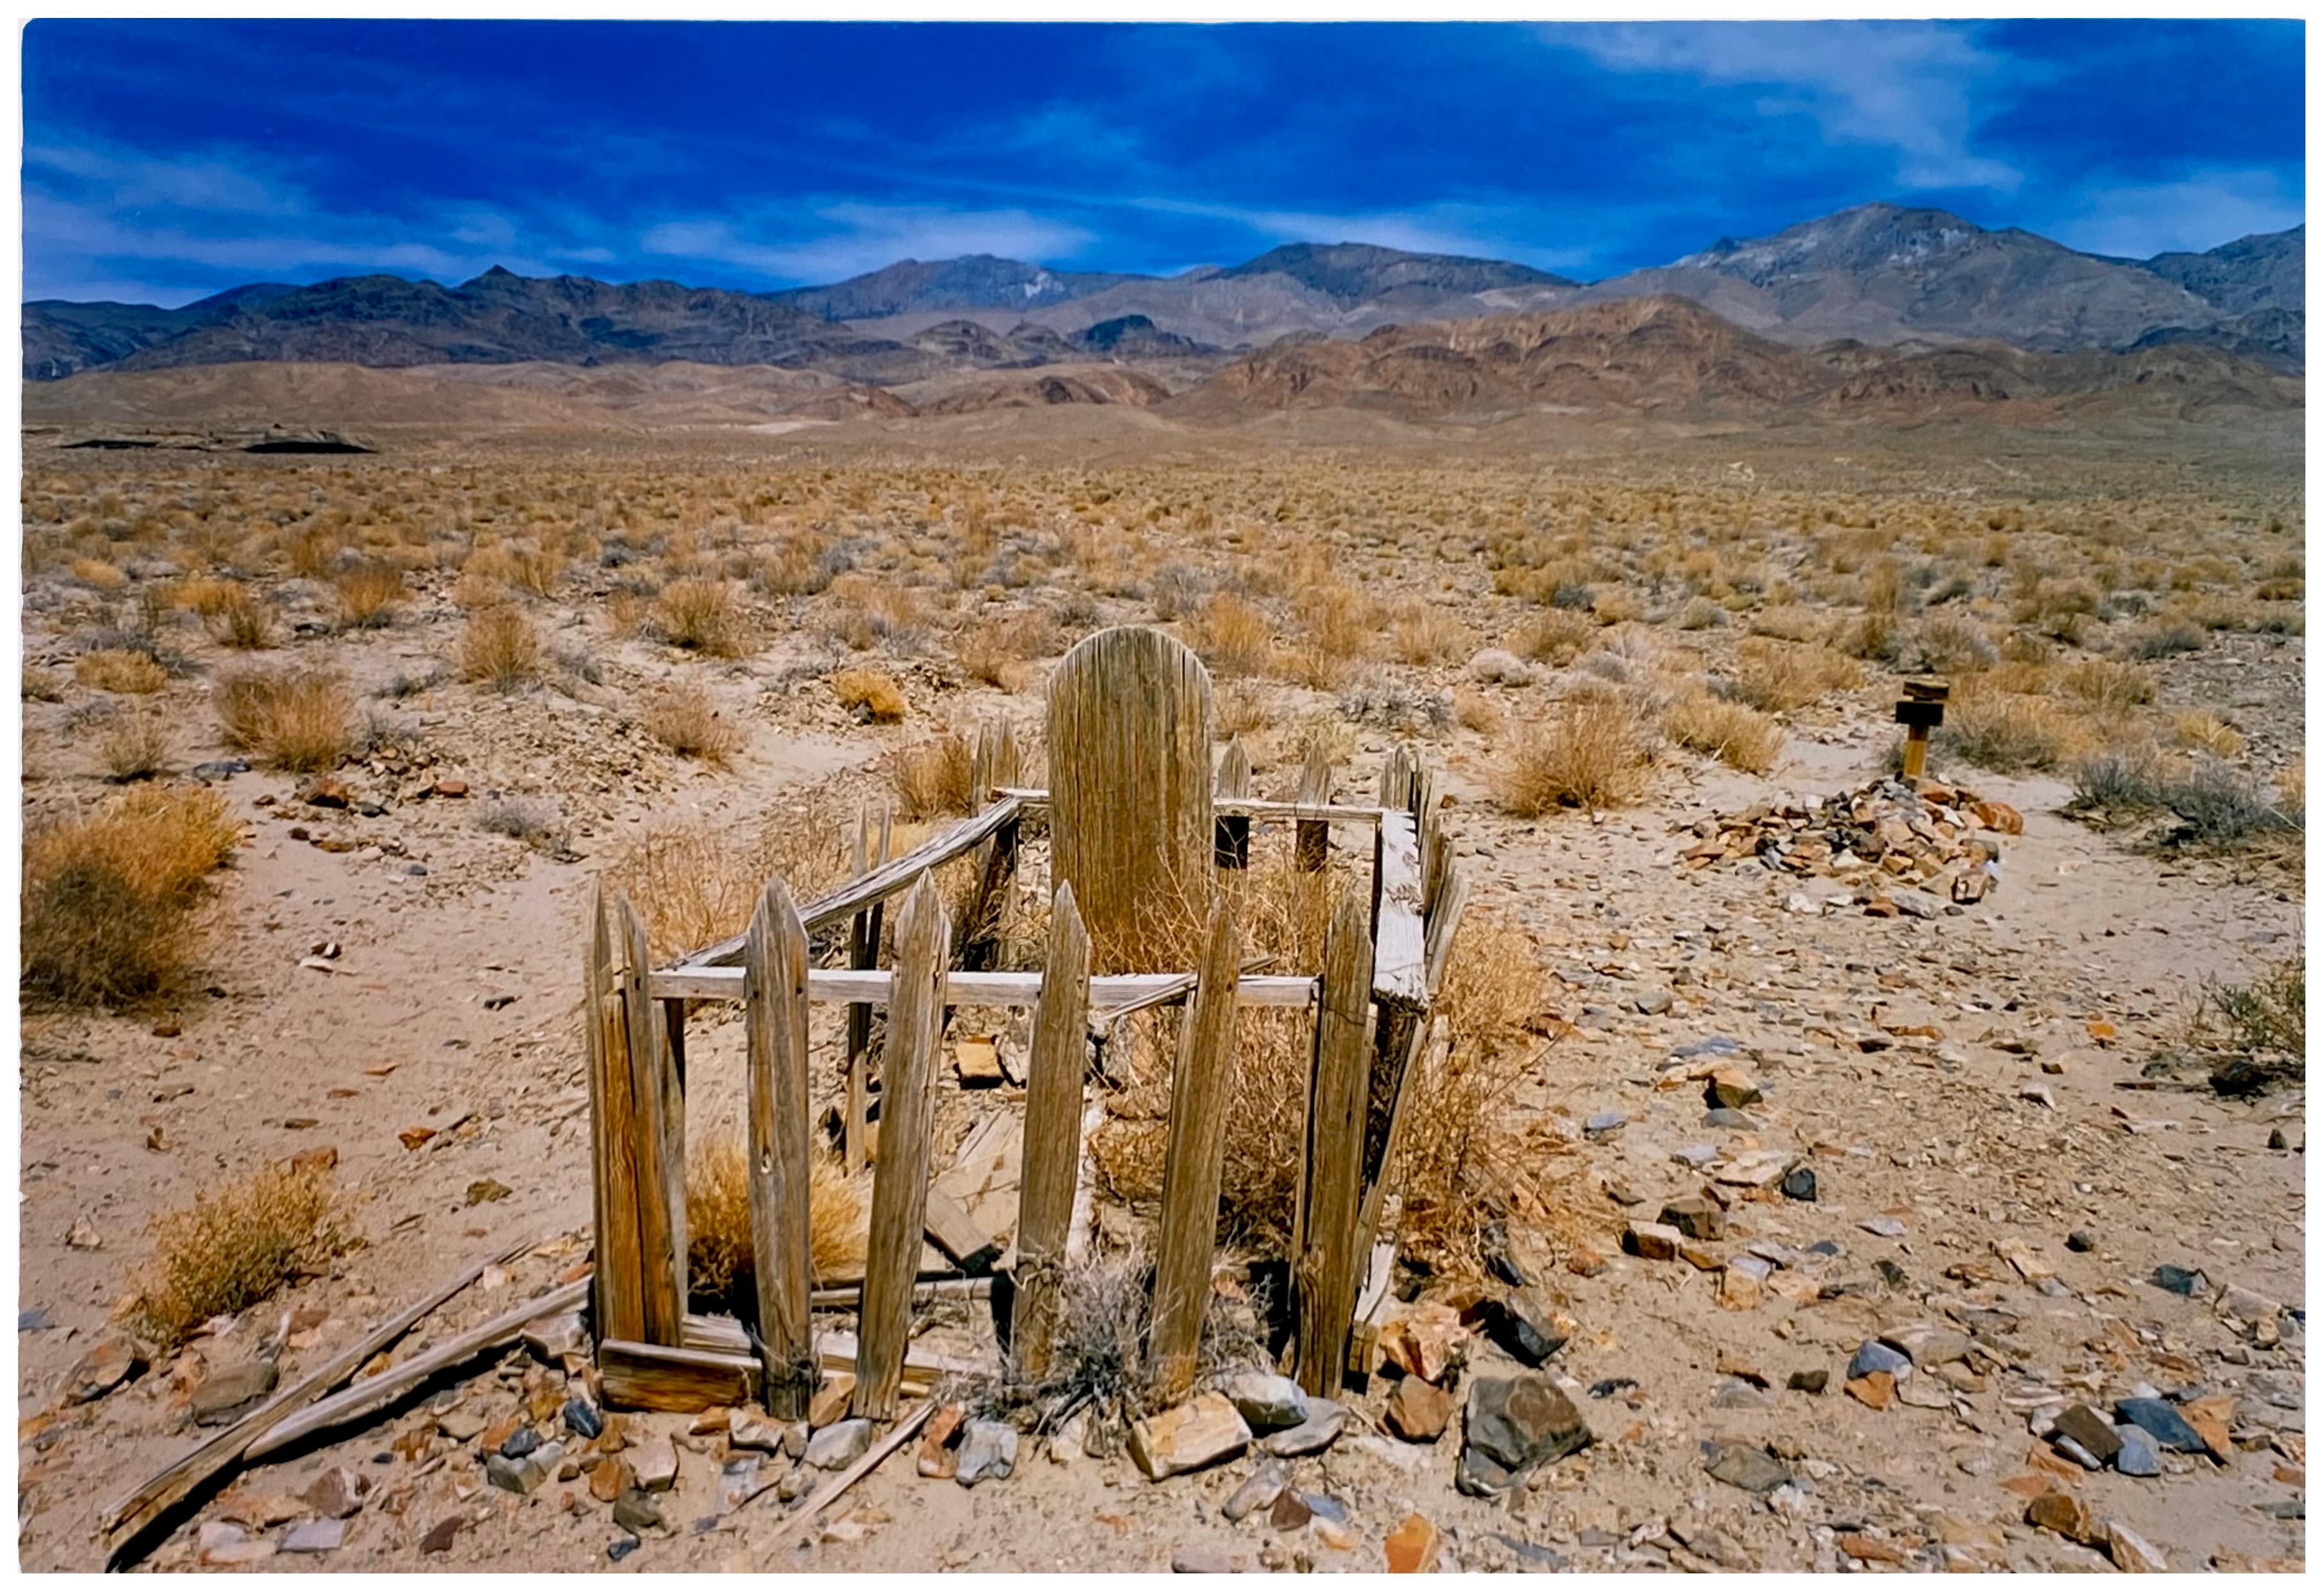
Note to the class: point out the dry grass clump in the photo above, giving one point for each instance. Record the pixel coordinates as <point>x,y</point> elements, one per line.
<point>112,902</point>
<point>684,717</point>
<point>1336,626</point>
<point>872,695</point>
<point>235,615</point>
<point>935,778</point>
<point>1232,634</point>
<point>39,684</point>
<point>133,747</point>
<point>1423,632</point>
<point>297,719</point>
<point>1590,753</point>
<point>499,648</point>
<point>992,654</point>
<point>1739,736</point>
<point>368,595</point>
<point>695,882</point>
<point>2203,731</point>
<point>1556,636</point>
<point>1457,1136</point>
<point>2006,732</point>
<point>97,573</point>
<point>118,669</point>
<point>701,616</point>
<point>235,1246</point>
<point>721,1268</point>
<point>1776,677</point>
<point>2107,686</point>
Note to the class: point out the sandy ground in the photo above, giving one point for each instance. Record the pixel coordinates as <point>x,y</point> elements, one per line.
<point>452,1003</point>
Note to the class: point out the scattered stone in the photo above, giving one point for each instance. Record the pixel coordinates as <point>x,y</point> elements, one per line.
<point>1730,1088</point>
<point>1696,1217</point>
<point>839,1445</point>
<point>1418,1411</point>
<point>636,1513</point>
<point>654,1457</point>
<point>1739,1465</point>
<point>1873,1390</point>
<point>521,1476</point>
<point>524,1441</point>
<point>1809,1382</point>
<point>315,1536</point>
<point>2132,1553</point>
<point>2163,1422</point>
<point>1603,1125</point>
<point>582,1418</point>
<point>2067,1516</point>
<point>1513,1326</point>
<point>461,1423</point>
<point>1426,1341</point>
<point>1517,1422</point>
<point>1289,1511</point>
<point>1652,1003</point>
<point>111,1361</point>
<point>338,1492</point>
<point>1927,1344</point>
<point>2211,1417</point>
<point>1204,1561</point>
<point>221,1545</point>
<point>1882,1226</point>
<point>2179,1280</point>
<point>1325,1420</point>
<point>988,1452</point>
<point>830,1402</point>
<point>1413,1547</point>
<point>1800,1183</point>
<point>1265,1401</point>
<point>1258,1490</point>
<point>1200,1432</point>
<point>621,1548</point>
<point>1727,1116</point>
<point>2081,1241</point>
<point>1735,1393</point>
<point>438,1537</point>
<point>1873,1355</point>
<point>230,1389</point>
<point>2138,1454</point>
<point>1651,1240</point>
<point>2087,1431</point>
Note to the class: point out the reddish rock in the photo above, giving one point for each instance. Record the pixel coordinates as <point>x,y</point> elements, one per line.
<point>1418,1411</point>
<point>1412,1547</point>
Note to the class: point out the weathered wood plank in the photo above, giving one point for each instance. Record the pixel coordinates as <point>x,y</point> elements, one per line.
<point>376,1393</point>
<point>1259,809</point>
<point>1379,1158</point>
<point>1312,842</point>
<point>1398,935</point>
<point>1129,717</point>
<point>612,1136</point>
<point>1053,1131</point>
<point>658,1377</point>
<point>1202,1087</point>
<point>659,1144</point>
<point>1231,843</point>
<point>864,952</point>
<point>889,879</point>
<point>774,1021</point>
<point>899,1186</point>
<point>995,763</point>
<point>844,985</point>
<point>1324,1270</point>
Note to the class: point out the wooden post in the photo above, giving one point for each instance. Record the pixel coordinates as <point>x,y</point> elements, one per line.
<point>774,1017</point>
<point>1922,710</point>
<point>996,763</point>
<point>1202,1087</point>
<point>900,1188</point>
<point>1130,794</point>
<point>658,1132</point>
<point>1053,1132</point>
<point>862,952</point>
<point>613,1137</point>
<point>1231,842</point>
<point>1312,846</point>
<point>1324,1269</point>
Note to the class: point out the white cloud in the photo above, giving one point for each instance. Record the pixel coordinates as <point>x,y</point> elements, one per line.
<point>1907,86</point>
<point>2199,212</point>
<point>140,182</point>
<point>855,238</point>
<point>1493,232</point>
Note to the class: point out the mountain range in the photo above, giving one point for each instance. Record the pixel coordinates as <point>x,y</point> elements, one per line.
<point>1876,276</point>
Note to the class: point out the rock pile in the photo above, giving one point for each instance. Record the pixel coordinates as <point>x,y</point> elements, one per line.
<point>1889,838</point>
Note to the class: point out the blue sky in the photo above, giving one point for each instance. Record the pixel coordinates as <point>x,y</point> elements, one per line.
<point>167,160</point>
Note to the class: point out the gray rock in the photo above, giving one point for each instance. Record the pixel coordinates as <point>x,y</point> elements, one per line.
<point>1521,1332</point>
<point>654,1460</point>
<point>338,1492</point>
<point>1735,1394</point>
<point>988,1452</point>
<point>1326,1421</point>
<point>1597,1124</point>
<point>2091,1432</point>
<point>636,1512</point>
<point>553,1337</point>
<point>1697,1156</point>
<point>1520,1422</point>
<point>2138,1454</point>
<point>2077,1453</point>
<point>2164,1424</point>
<point>581,1419</point>
<point>1204,1561</point>
<point>1927,1343</point>
<point>1652,1003</point>
<point>521,1476</point>
<point>1727,1116</point>
<point>315,1536</point>
<point>1875,1356</point>
<point>1882,1226</point>
<point>839,1445</point>
<point>1258,1490</point>
<point>232,1388</point>
<point>1800,1183</point>
<point>1754,1470</point>
<point>1265,1401</point>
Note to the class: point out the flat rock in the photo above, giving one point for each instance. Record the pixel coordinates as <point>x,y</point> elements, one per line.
<point>1520,1331</point>
<point>988,1452</point>
<point>553,1337</point>
<point>837,1446</point>
<point>1414,1547</point>
<point>1731,1088</point>
<point>1203,1430</point>
<point>830,1401</point>
<point>637,1513</point>
<point>315,1536</point>
<point>1927,1344</point>
<point>1754,1169</point>
<point>1696,1215</point>
<point>1425,1340</point>
<point>1651,1240</point>
<point>1204,1561</point>
<point>655,1459</point>
<point>1519,1422</point>
<point>1326,1421</point>
<point>1418,1411</point>
<point>1739,1465</point>
<point>2163,1422</point>
<point>2092,1432</point>
<point>2133,1553</point>
<point>1873,1355</point>
<point>338,1492</point>
<point>1258,1490</point>
<point>230,1390</point>
<point>2068,1516</point>
<point>2139,1455</point>
<point>111,1361</point>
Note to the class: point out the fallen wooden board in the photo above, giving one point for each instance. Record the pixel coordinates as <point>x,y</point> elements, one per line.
<point>869,986</point>
<point>125,1522</point>
<point>652,1376</point>
<point>1252,806</point>
<point>374,1393</point>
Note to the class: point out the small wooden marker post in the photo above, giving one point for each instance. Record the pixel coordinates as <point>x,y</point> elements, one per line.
<point>1921,709</point>
<point>1232,840</point>
<point>1311,843</point>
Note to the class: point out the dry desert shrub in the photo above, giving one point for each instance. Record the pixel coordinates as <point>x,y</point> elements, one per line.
<point>1232,634</point>
<point>1477,711</point>
<point>118,669</point>
<point>1590,753</point>
<point>934,778</point>
<point>873,695</point>
<point>111,904</point>
<point>133,745</point>
<point>2203,731</point>
<point>1336,627</point>
<point>2006,732</point>
<point>299,720</point>
<point>235,616</point>
<point>1556,637</point>
<point>993,654</point>
<point>1739,736</point>
<point>684,717</point>
<point>499,648</point>
<point>721,1267</point>
<point>236,1244</point>
<point>2106,686</point>
<point>368,595</point>
<point>99,574</point>
<point>1777,677</point>
<point>695,882</point>
<point>38,683</point>
<point>701,616</point>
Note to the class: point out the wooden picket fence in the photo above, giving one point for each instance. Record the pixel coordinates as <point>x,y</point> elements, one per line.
<point>1137,813</point>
